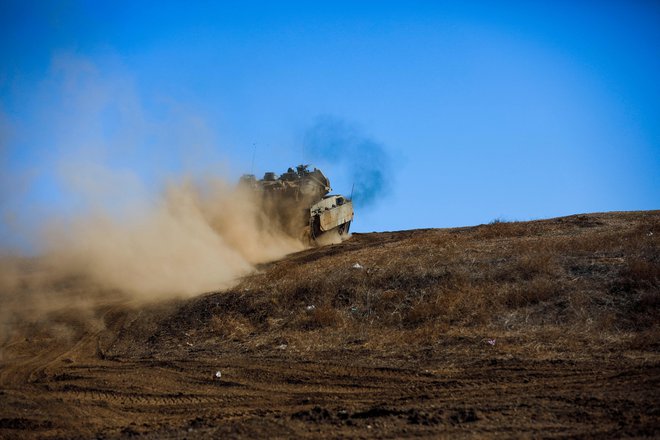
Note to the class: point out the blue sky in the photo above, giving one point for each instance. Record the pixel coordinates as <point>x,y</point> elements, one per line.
<point>477,110</point>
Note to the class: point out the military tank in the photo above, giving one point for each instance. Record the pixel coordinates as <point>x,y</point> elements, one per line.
<point>298,202</point>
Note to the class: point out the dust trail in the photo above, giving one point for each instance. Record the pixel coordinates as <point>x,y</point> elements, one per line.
<point>195,237</point>
<point>369,165</point>
<point>110,200</point>
<point>114,193</point>
<point>192,237</point>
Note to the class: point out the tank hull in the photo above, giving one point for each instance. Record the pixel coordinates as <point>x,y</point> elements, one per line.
<point>297,202</point>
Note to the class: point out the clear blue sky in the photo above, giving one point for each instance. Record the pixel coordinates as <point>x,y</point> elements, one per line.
<point>476,110</point>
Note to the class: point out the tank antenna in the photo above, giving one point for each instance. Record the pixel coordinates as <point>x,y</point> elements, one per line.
<point>352,188</point>
<point>254,151</point>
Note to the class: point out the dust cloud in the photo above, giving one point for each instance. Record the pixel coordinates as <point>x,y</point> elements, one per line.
<point>124,190</point>
<point>194,237</point>
<point>120,198</point>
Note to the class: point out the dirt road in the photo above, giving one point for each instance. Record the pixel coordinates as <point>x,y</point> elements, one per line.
<point>290,395</point>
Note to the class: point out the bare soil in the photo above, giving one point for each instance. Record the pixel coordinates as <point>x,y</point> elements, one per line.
<point>539,329</point>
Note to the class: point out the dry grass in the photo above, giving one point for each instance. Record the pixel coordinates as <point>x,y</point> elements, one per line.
<point>585,276</point>
<point>233,327</point>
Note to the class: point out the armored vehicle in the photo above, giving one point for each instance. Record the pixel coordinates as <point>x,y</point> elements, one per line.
<point>298,202</point>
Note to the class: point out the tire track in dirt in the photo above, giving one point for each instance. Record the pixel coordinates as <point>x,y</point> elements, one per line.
<point>346,397</point>
<point>28,369</point>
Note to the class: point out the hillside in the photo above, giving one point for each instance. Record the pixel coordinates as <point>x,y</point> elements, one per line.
<point>547,328</point>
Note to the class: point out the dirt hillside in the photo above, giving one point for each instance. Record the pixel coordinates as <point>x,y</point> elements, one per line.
<point>547,328</point>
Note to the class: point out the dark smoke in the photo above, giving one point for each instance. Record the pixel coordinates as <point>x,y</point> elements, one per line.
<point>368,164</point>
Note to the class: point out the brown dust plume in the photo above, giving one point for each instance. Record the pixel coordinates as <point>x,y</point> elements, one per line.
<point>194,237</point>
